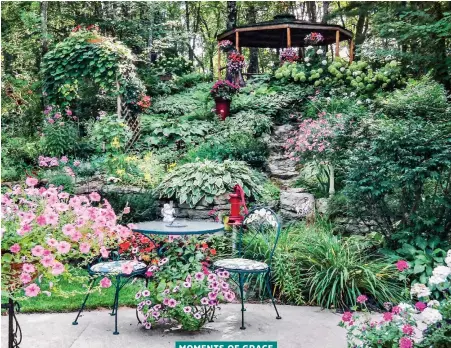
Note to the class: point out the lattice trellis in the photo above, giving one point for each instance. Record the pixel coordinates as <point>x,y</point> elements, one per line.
<point>133,121</point>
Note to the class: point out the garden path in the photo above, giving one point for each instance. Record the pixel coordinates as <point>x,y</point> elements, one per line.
<point>300,327</point>
<point>281,168</point>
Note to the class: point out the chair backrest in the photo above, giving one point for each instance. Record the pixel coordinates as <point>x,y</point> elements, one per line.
<point>260,226</point>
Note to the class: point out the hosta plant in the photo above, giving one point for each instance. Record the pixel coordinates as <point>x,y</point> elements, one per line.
<point>43,229</point>
<point>190,302</point>
<point>193,182</point>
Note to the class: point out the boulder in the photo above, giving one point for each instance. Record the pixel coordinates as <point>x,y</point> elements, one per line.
<point>295,203</point>
<point>322,205</point>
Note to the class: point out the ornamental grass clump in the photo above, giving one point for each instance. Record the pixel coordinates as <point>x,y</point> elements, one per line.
<point>44,229</point>
<point>193,182</point>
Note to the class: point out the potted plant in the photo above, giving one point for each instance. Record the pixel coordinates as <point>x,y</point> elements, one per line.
<point>222,92</point>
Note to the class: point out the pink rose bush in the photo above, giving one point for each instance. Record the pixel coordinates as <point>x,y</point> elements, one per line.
<point>191,302</point>
<point>44,228</point>
<point>405,325</point>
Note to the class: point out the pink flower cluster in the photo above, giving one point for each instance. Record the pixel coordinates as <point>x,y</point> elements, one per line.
<point>314,135</point>
<point>57,115</point>
<point>46,226</point>
<point>289,55</point>
<point>45,161</point>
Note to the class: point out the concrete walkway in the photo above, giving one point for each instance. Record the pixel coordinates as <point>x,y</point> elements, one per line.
<point>299,327</point>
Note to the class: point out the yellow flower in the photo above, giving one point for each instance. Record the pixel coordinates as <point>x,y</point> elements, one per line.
<point>147,177</point>
<point>171,166</point>
<point>115,143</point>
<point>120,172</point>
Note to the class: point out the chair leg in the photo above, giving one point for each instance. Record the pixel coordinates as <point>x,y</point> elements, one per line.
<point>241,281</point>
<point>116,304</point>
<point>268,286</point>
<point>75,322</point>
<point>113,312</point>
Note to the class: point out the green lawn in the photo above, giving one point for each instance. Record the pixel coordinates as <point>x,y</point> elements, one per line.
<point>101,299</point>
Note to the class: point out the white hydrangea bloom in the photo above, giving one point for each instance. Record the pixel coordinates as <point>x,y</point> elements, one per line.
<point>430,316</point>
<point>405,307</point>
<point>342,69</point>
<point>419,290</point>
<point>433,304</point>
<point>308,64</point>
<point>306,59</point>
<point>448,259</point>
<point>308,48</point>
<point>441,271</point>
<point>320,51</point>
<point>324,62</point>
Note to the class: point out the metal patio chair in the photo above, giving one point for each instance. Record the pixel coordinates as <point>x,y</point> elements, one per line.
<point>111,268</point>
<point>260,224</point>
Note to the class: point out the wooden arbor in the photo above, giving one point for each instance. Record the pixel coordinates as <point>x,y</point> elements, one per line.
<point>285,31</point>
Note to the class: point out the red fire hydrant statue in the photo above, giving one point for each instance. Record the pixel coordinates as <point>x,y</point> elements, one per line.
<point>237,200</point>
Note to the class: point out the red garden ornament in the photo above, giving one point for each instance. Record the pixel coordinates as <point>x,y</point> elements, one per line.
<point>237,201</point>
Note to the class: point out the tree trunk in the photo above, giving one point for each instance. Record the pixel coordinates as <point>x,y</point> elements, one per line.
<point>251,18</point>
<point>311,9</point>
<point>44,32</point>
<point>331,180</point>
<point>231,14</point>
<point>190,40</point>
<point>325,11</point>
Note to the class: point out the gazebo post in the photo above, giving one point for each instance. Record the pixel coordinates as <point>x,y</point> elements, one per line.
<point>237,41</point>
<point>219,62</point>
<point>337,44</point>
<point>288,37</point>
<point>351,50</point>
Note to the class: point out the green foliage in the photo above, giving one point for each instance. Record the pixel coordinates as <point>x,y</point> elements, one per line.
<point>109,133</point>
<point>237,146</point>
<point>424,98</point>
<point>60,138</point>
<point>18,155</point>
<point>161,132</point>
<point>192,182</point>
<point>187,103</point>
<point>172,66</point>
<point>62,180</point>
<point>250,122</point>
<point>143,204</point>
<point>398,174</point>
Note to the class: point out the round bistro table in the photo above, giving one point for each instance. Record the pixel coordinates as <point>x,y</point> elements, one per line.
<point>178,228</point>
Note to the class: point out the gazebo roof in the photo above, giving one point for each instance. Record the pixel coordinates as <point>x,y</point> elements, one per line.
<point>273,34</point>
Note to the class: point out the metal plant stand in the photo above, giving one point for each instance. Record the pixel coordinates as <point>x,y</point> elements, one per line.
<point>14,330</point>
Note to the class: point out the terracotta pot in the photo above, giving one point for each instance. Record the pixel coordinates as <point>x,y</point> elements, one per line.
<point>222,108</point>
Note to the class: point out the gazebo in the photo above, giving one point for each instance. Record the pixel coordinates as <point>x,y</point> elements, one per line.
<point>285,31</point>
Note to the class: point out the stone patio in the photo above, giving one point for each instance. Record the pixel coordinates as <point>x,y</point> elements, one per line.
<point>300,327</point>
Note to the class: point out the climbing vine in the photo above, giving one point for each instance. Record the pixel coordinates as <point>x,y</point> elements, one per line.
<point>87,55</point>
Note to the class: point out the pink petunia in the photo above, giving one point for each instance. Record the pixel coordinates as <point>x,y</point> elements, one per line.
<point>104,252</point>
<point>94,197</point>
<point>63,247</point>
<point>126,210</point>
<point>48,261</point>
<point>64,159</point>
<point>28,268</point>
<point>37,250</point>
<point>52,242</point>
<point>68,229</point>
<point>105,283</point>
<point>15,248</point>
<point>25,278</point>
<point>57,268</point>
<point>347,316</point>
<point>84,248</point>
<point>31,181</point>
<point>127,268</point>
<point>52,218</point>
<point>40,220</point>
<point>76,236</point>
<point>172,303</point>
<point>32,290</point>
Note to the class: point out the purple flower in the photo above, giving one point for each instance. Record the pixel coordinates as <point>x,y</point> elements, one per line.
<point>172,303</point>
<point>187,309</point>
<point>204,300</point>
<point>187,285</point>
<point>57,115</point>
<point>212,295</point>
<point>146,293</point>
<point>199,276</point>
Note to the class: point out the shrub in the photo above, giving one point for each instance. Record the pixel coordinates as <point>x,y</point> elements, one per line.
<point>109,133</point>
<point>60,138</point>
<point>422,98</point>
<point>192,182</point>
<point>64,181</point>
<point>250,122</point>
